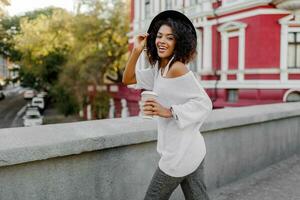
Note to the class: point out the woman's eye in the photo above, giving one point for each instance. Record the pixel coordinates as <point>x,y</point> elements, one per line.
<point>170,38</point>
<point>158,36</point>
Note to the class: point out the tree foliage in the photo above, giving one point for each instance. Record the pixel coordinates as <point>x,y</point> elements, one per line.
<point>68,52</point>
<point>10,26</point>
<point>100,48</point>
<point>44,43</point>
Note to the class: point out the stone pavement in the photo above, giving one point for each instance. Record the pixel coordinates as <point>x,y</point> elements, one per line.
<point>280,181</point>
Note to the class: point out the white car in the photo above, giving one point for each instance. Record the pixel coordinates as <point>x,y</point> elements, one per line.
<point>42,94</point>
<point>32,117</point>
<point>30,107</point>
<point>38,102</point>
<point>29,94</point>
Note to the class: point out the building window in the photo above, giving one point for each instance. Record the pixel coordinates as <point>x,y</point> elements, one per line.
<point>147,9</point>
<point>232,95</point>
<point>168,4</point>
<point>293,97</point>
<point>231,30</point>
<point>194,2</point>
<point>294,50</point>
<point>196,64</point>
<point>193,65</point>
<point>230,2</point>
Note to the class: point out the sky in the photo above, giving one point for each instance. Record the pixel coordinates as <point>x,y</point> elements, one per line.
<point>21,6</point>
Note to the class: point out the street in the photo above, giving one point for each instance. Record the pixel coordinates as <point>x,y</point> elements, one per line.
<point>9,107</point>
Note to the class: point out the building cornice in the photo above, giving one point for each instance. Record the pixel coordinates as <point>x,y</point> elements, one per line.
<point>252,13</point>
<point>250,84</point>
<point>230,26</point>
<point>287,4</point>
<point>225,9</point>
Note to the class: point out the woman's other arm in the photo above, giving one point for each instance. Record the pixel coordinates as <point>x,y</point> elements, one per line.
<point>199,105</point>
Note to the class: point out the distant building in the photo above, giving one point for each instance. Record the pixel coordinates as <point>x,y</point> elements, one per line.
<point>248,50</point>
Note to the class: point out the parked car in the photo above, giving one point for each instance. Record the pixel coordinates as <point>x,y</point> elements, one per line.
<point>38,102</point>
<point>29,94</point>
<point>2,96</point>
<point>42,94</point>
<point>30,107</point>
<point>32,117</point>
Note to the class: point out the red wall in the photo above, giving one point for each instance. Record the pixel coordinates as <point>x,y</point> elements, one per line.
<point>216,48</point>
<point>262,50</point>
<point>262,46</point>
<point>262,41</point>
<point>131,10</point>
<point>247,97</point>
<point>262,77</point>
<point>294,76</point>
<point>233,53</point>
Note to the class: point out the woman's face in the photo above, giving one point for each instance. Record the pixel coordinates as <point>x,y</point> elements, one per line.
<point>165,42</point>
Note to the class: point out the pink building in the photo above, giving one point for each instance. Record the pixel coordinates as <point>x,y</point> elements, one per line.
<point>248,50</point>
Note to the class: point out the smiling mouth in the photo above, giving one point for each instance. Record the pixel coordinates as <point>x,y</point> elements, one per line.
<point>162,49</point>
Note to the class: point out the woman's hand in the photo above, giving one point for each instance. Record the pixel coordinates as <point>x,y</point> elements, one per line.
<point>140,41</point>
<point>152,107</point>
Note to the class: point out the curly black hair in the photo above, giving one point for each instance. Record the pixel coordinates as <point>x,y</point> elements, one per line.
<point>185,46</point>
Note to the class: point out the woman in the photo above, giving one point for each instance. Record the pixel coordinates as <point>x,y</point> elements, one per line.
<point>182,104</point>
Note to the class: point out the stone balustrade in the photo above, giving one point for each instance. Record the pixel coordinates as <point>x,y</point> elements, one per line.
<point>114,159</point>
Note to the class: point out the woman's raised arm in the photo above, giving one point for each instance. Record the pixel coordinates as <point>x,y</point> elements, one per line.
<point>129,72</point>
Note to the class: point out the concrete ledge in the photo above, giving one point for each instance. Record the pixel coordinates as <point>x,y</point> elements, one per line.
<point>239,116</point>
<point>116,158</point>
<point>21,145</point>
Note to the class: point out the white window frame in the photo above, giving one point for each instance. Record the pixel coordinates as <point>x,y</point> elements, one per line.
<point>156,6</point>
<point>137,15</point>
<point>175,5</point>
<point>287,24</point>
<point>226,3</point>
<point>207,48</point>
<point>229,30</point>
<point>142,10</point>
<point>198,58</point>
<point>150,9</point>
<point>297,66</point>
<point>171,1</point>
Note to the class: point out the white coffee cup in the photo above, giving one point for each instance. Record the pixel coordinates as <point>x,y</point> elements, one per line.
<point>147,95</point>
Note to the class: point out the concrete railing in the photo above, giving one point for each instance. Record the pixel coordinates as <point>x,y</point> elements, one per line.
<point>115,159</point>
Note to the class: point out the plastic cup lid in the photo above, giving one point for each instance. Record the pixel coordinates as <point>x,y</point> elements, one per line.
<point>149,92</point>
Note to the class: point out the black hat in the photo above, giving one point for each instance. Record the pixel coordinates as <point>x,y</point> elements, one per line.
<point>173,14</point>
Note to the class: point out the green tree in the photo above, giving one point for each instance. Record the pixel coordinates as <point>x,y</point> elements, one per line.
<point>64,100</point>
<point>101,105</point>
<point>10,26</point>
<point>65,53</point>
<point>44,43</point>
<point>101,47</point>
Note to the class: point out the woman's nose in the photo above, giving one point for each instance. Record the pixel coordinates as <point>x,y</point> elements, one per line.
<point>162,41</point>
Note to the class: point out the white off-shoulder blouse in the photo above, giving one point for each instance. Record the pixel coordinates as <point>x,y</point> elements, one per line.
<point>179,141</point>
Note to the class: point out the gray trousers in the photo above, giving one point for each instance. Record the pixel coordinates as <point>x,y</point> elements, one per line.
<point>192,185</point>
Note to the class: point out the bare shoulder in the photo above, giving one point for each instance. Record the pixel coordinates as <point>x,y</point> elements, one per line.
<point>178,69</point>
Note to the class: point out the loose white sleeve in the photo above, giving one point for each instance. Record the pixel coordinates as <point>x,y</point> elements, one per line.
<point>197,107</point>
<point>145,78</point>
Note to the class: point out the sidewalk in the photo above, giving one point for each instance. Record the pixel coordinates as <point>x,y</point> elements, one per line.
<point>280,181</point>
